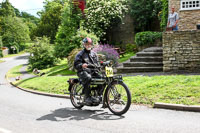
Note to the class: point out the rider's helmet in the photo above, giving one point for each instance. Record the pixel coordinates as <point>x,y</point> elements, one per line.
<point>87,43</point>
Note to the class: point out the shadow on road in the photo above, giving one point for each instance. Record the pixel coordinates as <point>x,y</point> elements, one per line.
<point>66,114</point>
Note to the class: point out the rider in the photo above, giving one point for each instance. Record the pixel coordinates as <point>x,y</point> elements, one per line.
<point>83,60</point>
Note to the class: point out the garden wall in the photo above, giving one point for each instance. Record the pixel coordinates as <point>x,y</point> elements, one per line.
<point>123,33</point>
<point>181,51</point>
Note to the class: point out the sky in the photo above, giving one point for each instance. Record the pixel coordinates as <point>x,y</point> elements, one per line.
<point>29,6</point>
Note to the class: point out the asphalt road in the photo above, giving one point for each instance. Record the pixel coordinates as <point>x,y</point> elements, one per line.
<point>23,112</point>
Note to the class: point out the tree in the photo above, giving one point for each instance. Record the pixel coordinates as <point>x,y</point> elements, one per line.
<point>102,14</point>
<point>50,20</point>
<point>6,9</point>
<point>14,31</point>
<point>144,13</point>
<point>164,14</point>
<point>71,17</point>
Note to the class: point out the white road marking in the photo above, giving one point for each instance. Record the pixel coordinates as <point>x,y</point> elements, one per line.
<point>4,131</point>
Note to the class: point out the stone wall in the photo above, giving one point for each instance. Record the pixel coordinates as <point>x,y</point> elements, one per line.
<point>188,19</point>
<point>181,51</point>
<point>122,33</point>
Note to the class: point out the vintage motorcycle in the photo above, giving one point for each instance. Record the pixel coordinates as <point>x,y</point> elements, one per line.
<point>111,91</point>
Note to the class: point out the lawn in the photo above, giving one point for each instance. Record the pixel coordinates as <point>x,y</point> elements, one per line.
<point>178,89</point>
<point>144,90</point>
<point>60,69</point>
<point>126,57</point>
<point>1,61</point>
<point>14,72</point>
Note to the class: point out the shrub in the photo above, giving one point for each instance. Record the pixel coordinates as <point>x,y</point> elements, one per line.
<point>71,57</point>
<point>70,20</point>
<point>108,51</point>
<point>147,38</point>
<point>81,34</point>
<point>131,48</point>
<point>42,54</point>
<point>1,45</point>
<point>102,14</point>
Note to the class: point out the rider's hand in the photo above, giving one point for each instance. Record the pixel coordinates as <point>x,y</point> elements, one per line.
<point>84,65</point>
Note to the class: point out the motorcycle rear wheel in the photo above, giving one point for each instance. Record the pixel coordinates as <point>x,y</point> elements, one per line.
<point>75,95</point>
<point>118,98</point>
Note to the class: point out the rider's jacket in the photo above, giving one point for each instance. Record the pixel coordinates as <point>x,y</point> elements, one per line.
<point>87,57</point>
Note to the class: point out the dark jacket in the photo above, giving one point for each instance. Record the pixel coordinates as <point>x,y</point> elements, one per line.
<point>87,57</point>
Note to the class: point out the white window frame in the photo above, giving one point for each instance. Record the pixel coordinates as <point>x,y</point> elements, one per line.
<point>190,5</point>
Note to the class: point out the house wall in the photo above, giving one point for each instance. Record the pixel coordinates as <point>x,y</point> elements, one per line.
<point>188,19</point>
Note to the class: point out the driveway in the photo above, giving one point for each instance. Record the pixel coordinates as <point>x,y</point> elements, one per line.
<point>23,112</point>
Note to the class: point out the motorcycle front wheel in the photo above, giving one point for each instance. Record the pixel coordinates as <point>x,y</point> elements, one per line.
<point>75,96</point>
<point>118,98</point>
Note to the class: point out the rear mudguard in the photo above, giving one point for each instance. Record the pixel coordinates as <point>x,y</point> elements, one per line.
<point>71,82</point>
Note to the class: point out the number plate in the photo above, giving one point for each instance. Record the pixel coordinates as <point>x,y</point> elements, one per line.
<point>109,71</point>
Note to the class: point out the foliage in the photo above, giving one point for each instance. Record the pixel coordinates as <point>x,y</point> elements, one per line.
<point>42,54</point>
<point>131,48</point>
<point>14,32</point>
<point>145,12</point>
<point>6,9</point>
<point>72,56</point>
<point>108,51</point>
<point>81,34</point>
<point>164,14</point>
<point>50,20</point>
<point>70,20</point>
<point>102,14</point>
<point>1,45</point>
<point>147,38</point>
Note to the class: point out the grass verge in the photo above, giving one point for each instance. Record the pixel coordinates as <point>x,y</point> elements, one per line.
<point>1,61</point>
<point>60,69</point>
<point>126,57</point>
<point>14,72</point>
<point>144,90</point>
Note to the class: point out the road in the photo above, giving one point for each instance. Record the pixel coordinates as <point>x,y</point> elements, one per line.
<point>23,112</point>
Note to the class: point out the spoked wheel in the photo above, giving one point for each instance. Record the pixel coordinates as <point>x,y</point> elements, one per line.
<point>118,98</point>
<point>75,96</point>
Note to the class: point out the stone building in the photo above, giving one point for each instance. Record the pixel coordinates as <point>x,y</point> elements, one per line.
<point>189,13</point>
<point>181,49</point>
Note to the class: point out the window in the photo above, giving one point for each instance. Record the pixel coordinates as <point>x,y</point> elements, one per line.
<point>190,4</point>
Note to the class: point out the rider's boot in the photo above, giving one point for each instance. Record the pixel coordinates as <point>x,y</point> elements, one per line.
<point>95,99</point>
<point>88,100</point>
<point>87,97</point>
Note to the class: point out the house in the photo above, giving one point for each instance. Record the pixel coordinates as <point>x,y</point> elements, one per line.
<point>181,49</point>
<point>189,13</point>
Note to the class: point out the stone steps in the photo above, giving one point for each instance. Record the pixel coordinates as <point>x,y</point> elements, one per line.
<point>148,60</point>
<point>140,54</point>
<point>142,64</point>
<point>139,69</point>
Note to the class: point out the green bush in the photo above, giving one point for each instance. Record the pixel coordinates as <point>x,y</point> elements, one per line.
<point>1,45</point>
<point>101,15</point>
<point>72,56</point>
<point>42,54</point>
<point>147,38</point>
<point>131,48</point>
<point>70,21</point>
